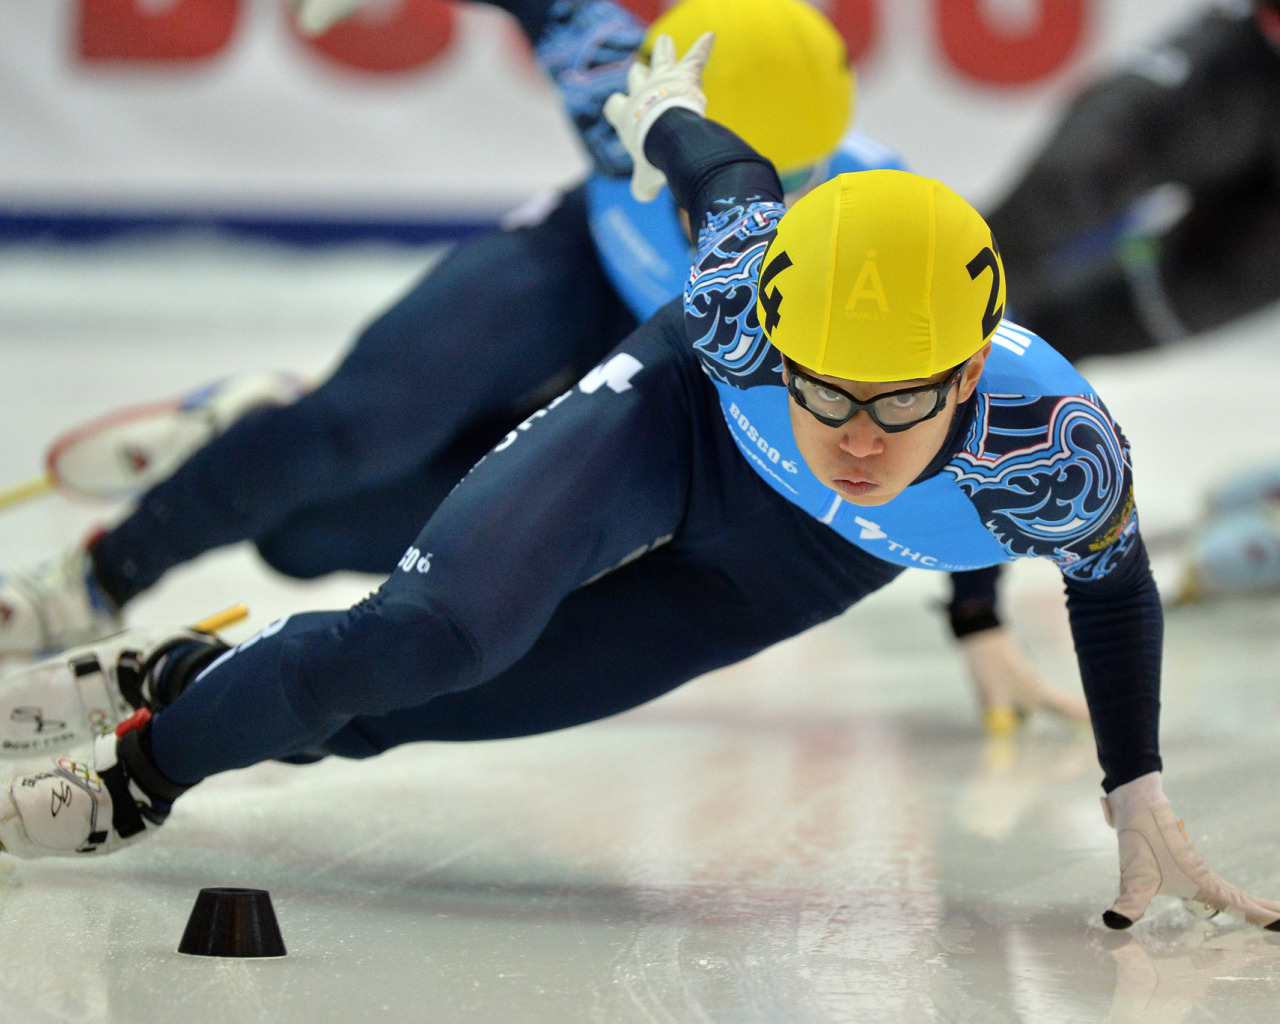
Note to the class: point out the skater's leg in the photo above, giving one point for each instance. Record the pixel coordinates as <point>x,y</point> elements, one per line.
<point>543,544</point>
<point>642,631</point>
<point>369,531</point>
<point>495,323</point>
<point>600,474</point>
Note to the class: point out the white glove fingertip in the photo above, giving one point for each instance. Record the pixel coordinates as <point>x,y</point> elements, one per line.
<point>637,75</point>
<point>1262,916</point>
<point>1140,880</point>
<point>1256,910</point>
<point>1117,921</point>
<point>664,53</point>
<point>700,52</point>
<point>615,110</point>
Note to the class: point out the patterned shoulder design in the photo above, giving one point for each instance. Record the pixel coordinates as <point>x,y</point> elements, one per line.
<point>720,297</point>
<point>1050,476</point>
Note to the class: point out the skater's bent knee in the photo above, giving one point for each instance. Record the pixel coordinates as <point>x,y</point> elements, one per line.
<point>395,652</point>
<point>292,556</point>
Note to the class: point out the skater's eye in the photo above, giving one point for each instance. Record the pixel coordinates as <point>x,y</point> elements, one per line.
<point>908,408</point>
<point>904,401</point>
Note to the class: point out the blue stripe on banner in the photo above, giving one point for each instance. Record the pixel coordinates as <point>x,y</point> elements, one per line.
<point>88,226</point>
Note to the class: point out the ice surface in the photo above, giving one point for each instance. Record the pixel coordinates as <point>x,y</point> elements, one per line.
<point>820,834</point>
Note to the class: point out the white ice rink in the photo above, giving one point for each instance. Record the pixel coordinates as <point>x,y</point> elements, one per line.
<point>820,834</point>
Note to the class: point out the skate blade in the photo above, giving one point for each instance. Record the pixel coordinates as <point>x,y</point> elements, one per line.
<point>223,619</point>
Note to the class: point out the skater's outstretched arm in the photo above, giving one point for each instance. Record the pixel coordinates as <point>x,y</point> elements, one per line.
<point>1114,607</point>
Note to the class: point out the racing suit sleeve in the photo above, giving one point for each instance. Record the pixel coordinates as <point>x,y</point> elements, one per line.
<point>1118,628</point>
<point>708,166</point>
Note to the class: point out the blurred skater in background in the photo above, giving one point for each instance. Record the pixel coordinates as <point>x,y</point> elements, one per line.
<point>1152,215</point>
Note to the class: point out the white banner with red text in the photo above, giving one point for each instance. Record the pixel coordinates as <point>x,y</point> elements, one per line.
<point>431,112</point>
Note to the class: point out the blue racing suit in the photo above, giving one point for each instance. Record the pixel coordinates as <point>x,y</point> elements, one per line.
<point>636,532</point>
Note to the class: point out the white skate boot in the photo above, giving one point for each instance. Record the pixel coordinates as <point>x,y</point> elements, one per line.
<point>66,807</point>
<point>129,450</point>
<point>54,605</point>
<point>70,699</point>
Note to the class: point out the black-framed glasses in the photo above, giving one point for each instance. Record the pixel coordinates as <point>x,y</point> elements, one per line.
<point>891,412</point>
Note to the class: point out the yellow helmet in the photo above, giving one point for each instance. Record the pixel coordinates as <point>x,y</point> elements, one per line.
<point>881,276</point>
<point>779,74</point>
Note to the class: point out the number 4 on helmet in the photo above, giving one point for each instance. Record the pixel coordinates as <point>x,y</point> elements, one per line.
<point>131,449</point>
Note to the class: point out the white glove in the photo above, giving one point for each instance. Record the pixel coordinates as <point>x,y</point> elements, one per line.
<point>651,91</point>
<point>315,16</point>
<point>1156,856</point>
<point>1008,685</point>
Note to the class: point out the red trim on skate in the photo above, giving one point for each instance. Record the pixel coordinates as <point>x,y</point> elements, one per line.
<point>79,433</point>
<point>135,721</point>
<point>1268,19</point>
<point>96,535</point>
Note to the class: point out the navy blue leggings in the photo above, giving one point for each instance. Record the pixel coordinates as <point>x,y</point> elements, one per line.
<point>504,618</point>
<point>344,478</point>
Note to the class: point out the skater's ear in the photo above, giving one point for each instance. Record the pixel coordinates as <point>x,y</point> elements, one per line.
<point>684,224</point>
<point>969,379</point>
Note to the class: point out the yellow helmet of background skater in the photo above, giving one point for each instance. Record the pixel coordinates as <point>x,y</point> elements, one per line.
<point>778,77</point>
<point>881,276</point>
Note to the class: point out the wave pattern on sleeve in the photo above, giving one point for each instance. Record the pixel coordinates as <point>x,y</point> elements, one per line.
<point>720,297</point>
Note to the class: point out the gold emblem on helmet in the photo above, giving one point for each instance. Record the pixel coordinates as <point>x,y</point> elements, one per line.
<point>868,287</point>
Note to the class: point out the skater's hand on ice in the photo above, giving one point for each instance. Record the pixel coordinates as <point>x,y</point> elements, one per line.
<point>1008,686</point>
<point>1157,856</point>
<point>651,91</point>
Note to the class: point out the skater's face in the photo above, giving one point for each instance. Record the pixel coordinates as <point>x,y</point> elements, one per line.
<point>860,460</point>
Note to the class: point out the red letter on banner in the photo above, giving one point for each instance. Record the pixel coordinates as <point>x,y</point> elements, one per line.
<point>982,51</point>
<point>855,19</point>
<point>646,10</point>
<point>411,35</point>
<point>858,23</point>
<point>133,30</point>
